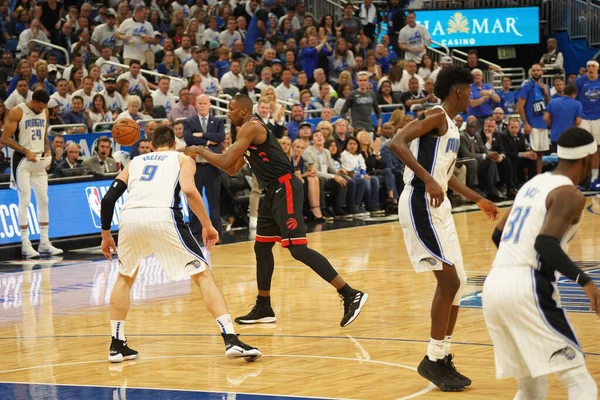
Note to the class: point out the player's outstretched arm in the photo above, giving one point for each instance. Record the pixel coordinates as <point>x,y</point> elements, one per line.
<point>107,208</point>
<point>10,127</point>
<point>484,204</point>
<point>210,235</point>
<point>231,159</point>
<point>564,206</point>
<point>434,119</point>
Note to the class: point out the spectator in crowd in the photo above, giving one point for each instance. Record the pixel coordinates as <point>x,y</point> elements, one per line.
<point>184,108</point>
<point>229,36</point>
<point>296,118</point>
<point>498,116</point>
<point>552,60</point>
<point>137,35</point>
<point>233,79</point>
<point>376,169</point>
<point>180,143</point>
<point>413,96</point>
<point>98,113</point>
<point>563,112</point>
<point>106,35</point>
<point>77,114</point>
<point>508,98</point>
<point>149,129</point>
<point>445,62</point>
<point>149,110</point>
<point>413,38</point>
<point>57,147</point>
<point>210,85</point>
<point>137,83</point>
<point>23,71</point>
<point>350,26</point>
<point>190,67</point>
<point>519,152</point>
<point>370,19</point>
<point>558,87</point>
<point>108,70</point>
<point>533,98</point>
<point>286,91</point>
<point>114,100</point>
<point>25,44</point>
<point>257,25</point>
<point>410,71</point>
<point>474,63</point>
<point>314,186</point>
<point>162,97</point>
<point>309,55</point>
<point>494,143</point>
<point>71,160</point>
<point>144,146</point>
<point>22,94</point>
<point>588,87</point>
<point>101,162</point>
<point>250,87</point>
<point>133,106</point>
<point>86,92</point>
<point>367,187</point>
<point>362,103</point>
<point>483,97</point>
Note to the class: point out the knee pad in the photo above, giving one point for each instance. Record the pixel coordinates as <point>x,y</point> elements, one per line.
<point>579,383</point>
<point>462,277</point>
<point>263,248</point>
<point>532,389</point>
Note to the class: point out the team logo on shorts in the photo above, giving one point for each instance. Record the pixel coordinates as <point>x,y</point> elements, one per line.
<point>568,352</point>
<point>432,261</point>
<point>291,224</point>
<point>196,264</point>
<point>94,201</point>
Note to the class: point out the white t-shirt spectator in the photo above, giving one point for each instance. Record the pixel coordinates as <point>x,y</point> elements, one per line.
<point>183,55</point>
<point>115,101</point>
<point>135,47</point>
<point>417,36</point>
<point>63,102</point>
<point>25,37</point>
<point>106,69</point>
<point>87,100</point>
<point>210,85</point>
<point>137,84</point>
<point>105,37</point>
<point>230,80</point>
<point>190,68</point>
<point>16,98</point>
<point>407,77</point>
<point>185,8</point>
<point>209,35</point>
<point>165,100</point>
<point>291,94</point>
<point>229,38</point>
<point>97,117</point>
<point>98,86</point>
<point>67,72</point>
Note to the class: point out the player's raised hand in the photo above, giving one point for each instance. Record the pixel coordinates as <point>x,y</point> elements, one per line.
<point>210,237</point>
<point>591,291</point>
<point>436,194</point>
<point>489,209</point>
<point>108,245</point>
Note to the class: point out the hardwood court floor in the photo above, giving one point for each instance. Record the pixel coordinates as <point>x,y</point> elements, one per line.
<point>54,323</point>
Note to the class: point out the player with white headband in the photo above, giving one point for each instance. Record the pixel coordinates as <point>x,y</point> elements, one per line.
<point>531,333</point>
<point>588,94</point>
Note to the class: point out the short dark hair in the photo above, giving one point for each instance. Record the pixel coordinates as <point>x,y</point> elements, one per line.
<point>472,51</point>
<point>102,139</point>
<point>244,100</point>
<point>87,77</point>
<point>411,12</point>
<point>570,90</point>
<point>132,62</point>
<point>177,123</point>
<point>41,96</point>
<point>61,79</point>
<point>163,136</point>
<point>454,75</point>
<point>77,98</point>
<point>144,140</point>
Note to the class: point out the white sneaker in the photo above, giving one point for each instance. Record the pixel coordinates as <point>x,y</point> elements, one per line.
<point>27,251</point>
<point>47,249</point>
<point>253,222</point>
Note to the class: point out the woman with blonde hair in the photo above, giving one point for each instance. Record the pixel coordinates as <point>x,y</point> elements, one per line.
<point>286,145</point>
<point>371,66</point>
<point>396,119</point>
<point>94,73</point>
<point>277,110</point>
<point>326,128</point>
<point>308,176</point>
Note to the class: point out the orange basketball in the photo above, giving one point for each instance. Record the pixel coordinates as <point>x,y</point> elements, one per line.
<point>126,132</point>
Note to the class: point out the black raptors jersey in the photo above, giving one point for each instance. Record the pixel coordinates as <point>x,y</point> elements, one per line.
<point>267,160</point>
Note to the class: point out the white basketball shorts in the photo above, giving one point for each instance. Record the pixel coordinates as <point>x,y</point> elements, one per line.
<point>429,233</point>
<point>530,331</point>
<point>162,232</point>
<point>593,127</point>
<point>539,139</point>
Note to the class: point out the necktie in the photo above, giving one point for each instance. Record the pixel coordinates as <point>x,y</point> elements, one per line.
<point>472,146</point>
<point>204,124</point>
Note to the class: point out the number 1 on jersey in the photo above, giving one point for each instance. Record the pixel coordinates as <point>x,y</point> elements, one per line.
<point>148,172</point>
<point>515,224</point>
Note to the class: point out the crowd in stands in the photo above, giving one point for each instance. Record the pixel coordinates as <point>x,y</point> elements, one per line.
<point>322,85</point>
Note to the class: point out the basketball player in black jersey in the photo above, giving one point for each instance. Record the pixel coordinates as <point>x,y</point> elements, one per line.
<point>280,216</point>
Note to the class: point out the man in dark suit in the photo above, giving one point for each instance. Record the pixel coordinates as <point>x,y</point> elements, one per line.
<point>518,150</point>
<point>472,146</point>
<point>492,140</point>
<point>498,116</point>
<point>71,161</point>
<point>205,130</point>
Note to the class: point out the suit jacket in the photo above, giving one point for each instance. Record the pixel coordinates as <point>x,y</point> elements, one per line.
<point>311,156</point>
<point>215,132</point>
<point>515,145</point>
<point>65,165</point>
<point>93,165</point>
<point>497,143</point>
<point>465,146</point>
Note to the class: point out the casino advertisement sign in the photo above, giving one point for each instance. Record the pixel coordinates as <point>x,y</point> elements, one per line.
<point>482,27</point>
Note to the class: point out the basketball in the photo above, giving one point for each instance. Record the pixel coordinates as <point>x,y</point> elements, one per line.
<point>126,132</point>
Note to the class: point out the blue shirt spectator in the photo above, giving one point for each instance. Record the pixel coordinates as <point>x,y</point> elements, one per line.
<point>261,16</point>
<point>309,56</point>
<point>483,97</point>
<point>563,113</point>
<point>588,94</point>
<point>535,102</point>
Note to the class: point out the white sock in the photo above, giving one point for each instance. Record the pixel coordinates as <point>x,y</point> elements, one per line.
<point>117,329</point>
<point>594,174</point>
<point>435,349</point>
<point>447,343</point>
<point>25,236</point>
<point>225,324</point>
<point>44,234</point>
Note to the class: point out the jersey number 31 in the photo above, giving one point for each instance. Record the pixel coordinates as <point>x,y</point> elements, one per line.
<point>515,224</point>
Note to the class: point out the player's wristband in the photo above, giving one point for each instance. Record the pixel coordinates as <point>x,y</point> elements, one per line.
<point>554,256</point>
<point>496,236</point>
<point>107,207</point>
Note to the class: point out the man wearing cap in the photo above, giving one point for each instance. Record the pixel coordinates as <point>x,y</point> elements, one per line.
<point>588,94</point>
<point>249,88</point>
<point>257,28</point>
<point>105,35</point>
<point>445,62</point>
<point>191,66</point>
<point>137,35</point>
<point>114,100</point>
<point>276,68</point>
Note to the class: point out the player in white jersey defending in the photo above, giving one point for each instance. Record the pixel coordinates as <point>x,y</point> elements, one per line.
<point>152,222</point>
<point>531,333</point>
<point>428,147</point>
<point>28,123</point>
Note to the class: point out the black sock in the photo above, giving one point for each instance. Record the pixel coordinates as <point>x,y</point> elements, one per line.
<point>346,290</point>
<point>264,301</point>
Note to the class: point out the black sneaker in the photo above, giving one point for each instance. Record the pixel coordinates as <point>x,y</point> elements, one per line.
<point>353,304</point>
<point>235,348</point>
<point>258,315</point>
<point>119,351</point>
<point>450,365</point>
<point>437,372</point>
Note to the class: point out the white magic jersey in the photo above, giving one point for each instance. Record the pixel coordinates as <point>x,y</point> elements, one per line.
<point>436,153</point>
<point>525,222</point>
<point>31,129</point>
<point>154,181</point>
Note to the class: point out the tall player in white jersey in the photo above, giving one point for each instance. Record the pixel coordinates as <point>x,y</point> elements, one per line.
<point>28,123</point>
<point>425,215</point>
<point>152,222</point>
<point>521,304</point>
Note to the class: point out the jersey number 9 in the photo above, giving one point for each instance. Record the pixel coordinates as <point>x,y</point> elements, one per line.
<point>148,172</point>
